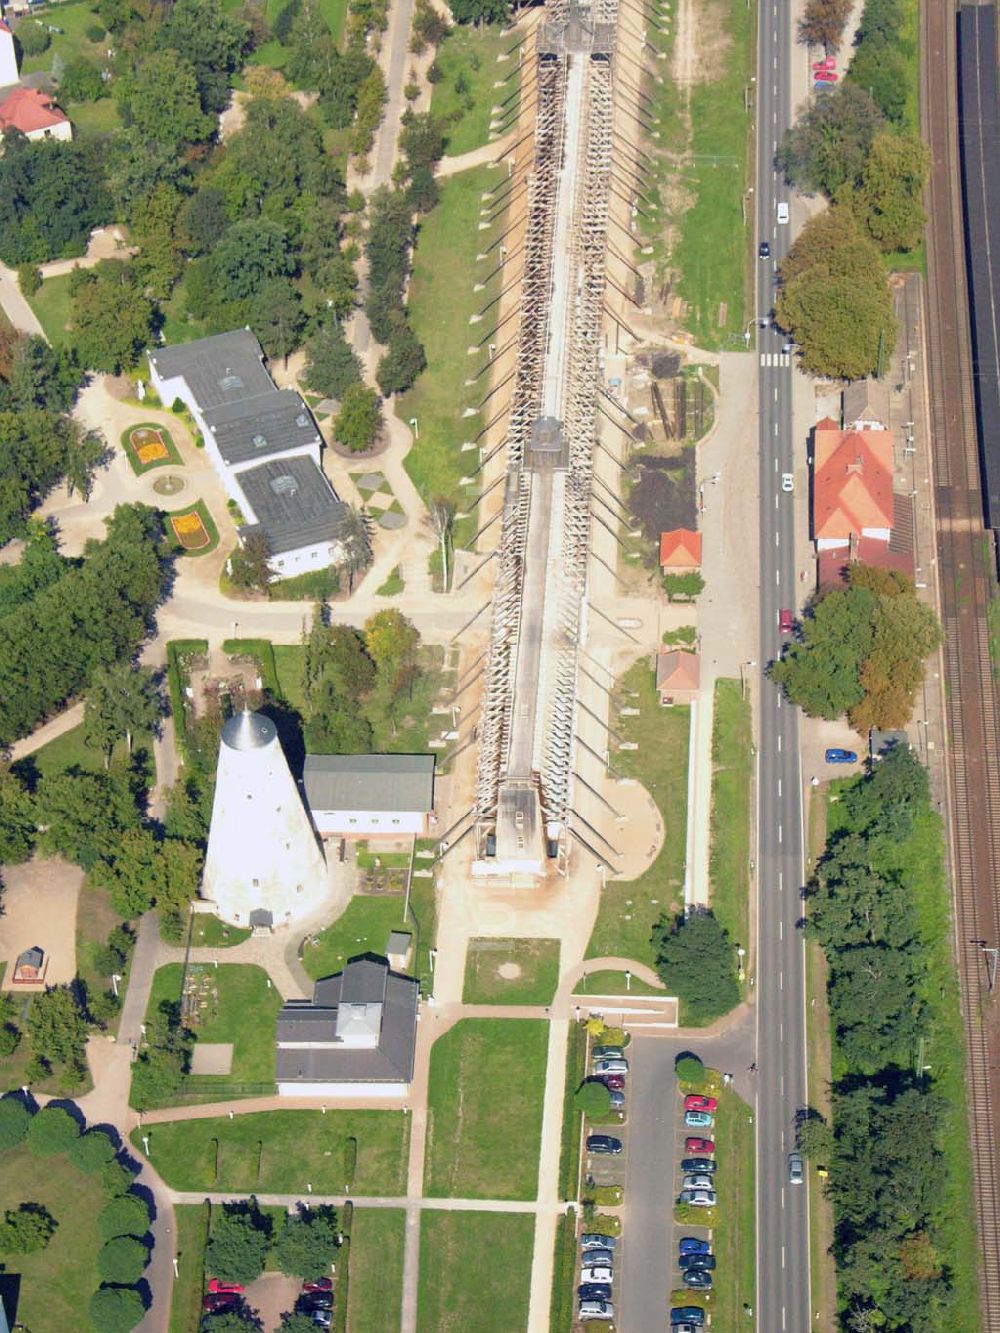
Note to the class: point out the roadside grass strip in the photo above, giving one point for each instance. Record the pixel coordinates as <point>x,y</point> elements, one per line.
<point>732,783</point>
<point>484,1109</point>
<point>572,1123</point>
<point>475,1272</point>
<point>149,446</point>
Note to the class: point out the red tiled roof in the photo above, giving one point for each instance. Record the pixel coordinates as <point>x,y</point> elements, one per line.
<point>680,548</point>
<point>677,669</point>
<point>852,480</point>
<point>29,109</point>
<point>834,564</point>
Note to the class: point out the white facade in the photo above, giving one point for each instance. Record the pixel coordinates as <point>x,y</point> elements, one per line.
<point>353,1091</point>
<point>362,823</point>
<point>8,57</point>
<point>262,852</point>
<point>842,543</point>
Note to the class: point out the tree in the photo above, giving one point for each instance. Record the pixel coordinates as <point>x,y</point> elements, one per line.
<point>355,545</point>
<point>822,23</point>
<point>593,1100</point>
<point>81,81</point>
<point>687,586</point>
<point>203,219</point>
<point>134,874</point>
<point>86,815</point>
<point>293,1322</point>
<point>250,562</point>
<point>403,361</point>
<point>480,11</point>
<point>155,226</point>
<point>39,449</point>
<point>161,98</point>
<point>125,1216</point>
<point>697,962</point>
<point>307,1243</point>
<point>886,200</point>
<point>392,642</point>
<point>51,198</point>
<point>181,874</point>
<point>52,1129</point>
<point>122,1260</point>
<point>112,318</point>
<point>116,1309</point>
<point>34,37</point>
<point>121,701</point>
<point>14,1120</point>
<point>57,1030</point>
<point>359,420</point>
<point>332,365</point>
<point>827,146</point>
<point>883,73</point>
<point>42,376</point>
<point>26,1229</point>
<point>163,1061</point>
<point>211,41</point>
<point>278,317</point>
<point>820,673</point>
<point>239,1243</point>
<point>92,1151</point>
<point>338,676</point>
<point>18,823</point>
<point>834,300</point>
<point>875,1011</point>
<point>689,1069</point>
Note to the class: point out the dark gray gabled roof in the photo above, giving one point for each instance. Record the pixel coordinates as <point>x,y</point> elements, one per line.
<point>269,423</point>
<point>294,503</point>
<point>403,783</point>
<point>225,368</point>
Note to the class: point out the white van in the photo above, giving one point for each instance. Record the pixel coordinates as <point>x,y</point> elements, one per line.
<point>782,213</point>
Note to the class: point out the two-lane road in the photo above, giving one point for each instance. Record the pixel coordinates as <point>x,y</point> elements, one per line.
<point>782,1209</point>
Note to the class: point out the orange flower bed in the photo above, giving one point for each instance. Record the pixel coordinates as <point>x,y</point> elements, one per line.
<point>190,531</point>
<point>149,453</point>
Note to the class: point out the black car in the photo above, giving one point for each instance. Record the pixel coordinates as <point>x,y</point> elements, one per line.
<point>603,1143</point>
<point>765,250</point>
<point>697,1279</point>
<point>699,1166</point>
<point>688,1263</point>
<point>315,1300</point>
<point>594,1291</point>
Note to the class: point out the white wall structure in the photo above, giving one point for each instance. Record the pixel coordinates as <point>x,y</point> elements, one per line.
<point>262,852</point>
<point>8,56</point>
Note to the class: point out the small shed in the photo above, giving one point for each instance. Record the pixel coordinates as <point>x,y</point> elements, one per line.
<point>29,970</point>
<point>678,676</point>
<point>680,551</point>
<point>398,948</point>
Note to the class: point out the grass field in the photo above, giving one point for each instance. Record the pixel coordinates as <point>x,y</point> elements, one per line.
<point>614,983</point>
<point>484,1110</point>
<point>732,777</point>
<point>51,304</point>
<point>281,1151</point>
<point>465,95</point>
<point>441,302</point>
<point>375,1292</point>
<point>461,1288</point>
<point>191,1221</point>
<point>363,928</point>
<point>538,961</point>
<point>70,750</point>
<point>74,20</point>
<point>572,1122</point>
<point>208,932</point>
<point>55,1283</point>
<point>629,908</point>
<point>734,1236</point>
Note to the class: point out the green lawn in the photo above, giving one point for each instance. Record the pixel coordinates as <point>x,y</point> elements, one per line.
<point>315,585</point>
<point>73,19</point>
<point>629,908</point>
<point>732,778</point>
<point>55,1283</point>
<point>70,750</point>
<point>572,1124</point>
<point>441,301</point>
<point>484,1110</point>
<point>614,983</point>
<point>537,961</point>
<point>51,304</point>
<point>178,325</point>
<point>465,95</point>
<point>288,661</point>
<point>191,1222</point>
<point>95,920</point>
<point>375,1290</point>
<point>282,1151</point>
<point>475,1272</point>
<point>363,928</point>
<point>734,1235</point>
<point>208,932</point>
<point>92,120</point>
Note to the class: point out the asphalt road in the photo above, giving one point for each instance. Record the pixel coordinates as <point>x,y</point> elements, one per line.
<point>782,1210</point>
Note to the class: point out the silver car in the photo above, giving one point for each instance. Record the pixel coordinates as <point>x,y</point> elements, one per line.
<point>595,1258</point>
<point>698,1183</point>
<point>796,1172</point>
<point>611,1066</point>
<point>597,1310</point>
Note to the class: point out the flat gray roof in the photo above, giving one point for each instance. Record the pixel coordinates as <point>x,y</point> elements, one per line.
<point>267,423</point>
<point>403,783</point>
<point>294,503</point>
<point>224,368</point>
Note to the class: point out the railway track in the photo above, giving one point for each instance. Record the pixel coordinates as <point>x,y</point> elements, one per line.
<point>965,565</point>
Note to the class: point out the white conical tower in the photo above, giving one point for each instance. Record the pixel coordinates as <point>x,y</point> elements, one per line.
<point>262,851</point>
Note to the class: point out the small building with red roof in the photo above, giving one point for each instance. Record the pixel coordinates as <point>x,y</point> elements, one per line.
<point>34,113</point>
<point>852,485</point>
<point>678,676</point>
<point>680,551</point>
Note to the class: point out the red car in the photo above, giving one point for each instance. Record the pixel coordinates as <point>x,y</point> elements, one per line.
<point>699,1145</point>
<point>830,62</point>
<point>694,1101</point>
<point>216,1284</point>
<point>824,76</point>
<point>318,1284</point>
<point>613,1082</point>
<point>786,622</point>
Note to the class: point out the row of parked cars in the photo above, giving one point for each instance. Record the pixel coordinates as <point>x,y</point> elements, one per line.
<point>314,1300</point>
<point>698,1182</point>
<point>597,1251</point>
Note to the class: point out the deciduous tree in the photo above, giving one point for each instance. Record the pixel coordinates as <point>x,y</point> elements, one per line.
<point>122,700</point>
<point>306,1243</point>
<point>112,318</point>
<point>122,1260</point>
<point>827,146</point>
<point>886,200</point>
<point>161,98</point>
<point>332,365</point>
<point>822,23</point>
<point>26,1229</point>
<point>116,1309</point>
<point>359,420</point>
<point>239,1243</point>
<point>697,962</point>
<point>53,1129</point>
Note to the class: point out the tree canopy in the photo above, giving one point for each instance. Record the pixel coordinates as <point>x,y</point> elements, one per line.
<point>359,420</point>
<point>697,961</point>
<point>306,1244</point>
<point>827,146</point>
<point>239,1243</point>
<point>51,197</point>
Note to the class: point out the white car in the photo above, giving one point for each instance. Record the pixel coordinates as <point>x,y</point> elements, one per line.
<point>610,1066</point>
<point>602,1273</point>
<point>698,1198</point>
<point>783,214</point>
<point>597,1310</point>
<point>787,483</point>
<point>697,1182</point>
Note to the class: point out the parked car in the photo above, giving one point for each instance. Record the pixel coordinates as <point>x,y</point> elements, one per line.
<point>698,1145</point>
<point>604,1144</point>
<point>828,62</point>
<point>698,1198</point>
<point>695,1101</point>
<point>613,1082</point>
<point>685,1328</point>
<point>796,1172</point>
<point>617,1099</point>
<point>596,1310</point>
<point>594,1291</point>
<point>697,1279</point>
<point>698,1120</point>
<point>615,1066</point>
<point>823,88</point>
<point>318,1284</point>
<point>692,1245</point>
<point>786,621</point>
<point>218,1302</point>
<point>687,1262</point>
<point>708,1164</point>
<point>217,1284</point>
<point>608,1053</point>
<point>825,76</point>
<point>787,482</point>
<point>688,1314</point>
<point>697,1182</point>
<point>593,1258</point>
<point>596,1240</point>
<point>599,1273</point>
<point>316,1300</point>
<point>835,755</point>
<point>321,1318</point>
<point>764,250</point>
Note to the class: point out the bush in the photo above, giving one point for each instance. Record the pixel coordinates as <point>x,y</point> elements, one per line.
<point>125,1216</point>
<point>689,1069</point>
<point>26,1229</point>
<point>95,32</point>
<point>238,1245</point>
<point>14,1118</point>
<point>29,278</point>
<point>122,1260</point>
<point>116,1309</point>
<point>52,1130</point>
<point>116,1178</point>
<point>35,40</point>
<point>359,420</point>
<point>593,1100</point>
<point>92,1151</point>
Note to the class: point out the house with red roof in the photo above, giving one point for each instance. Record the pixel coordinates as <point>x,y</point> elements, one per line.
<point>678,676</point>
<point>852,486</point>
<point>34,113</point>
<point>680,551</point>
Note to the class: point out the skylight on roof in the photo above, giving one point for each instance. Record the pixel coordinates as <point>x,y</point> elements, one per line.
<point>302,419</point>
<point>259,441</point>
<point>230,381</point>
<point>284,485</point>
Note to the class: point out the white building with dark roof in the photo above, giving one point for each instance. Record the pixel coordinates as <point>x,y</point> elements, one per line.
<point>365,795</point>
<point>355,1037</point>
<point>264,445</point>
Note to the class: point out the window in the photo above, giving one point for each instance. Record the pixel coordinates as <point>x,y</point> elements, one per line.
<point>256,883</point>
<point>230,381</point>
<point>284,485</point>
<point>395,821</point>
<point>259,441</point>
<point>302,419</point>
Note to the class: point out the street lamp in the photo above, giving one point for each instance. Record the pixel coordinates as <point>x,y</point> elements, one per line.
<point>415,427</point>
<point>764,321</point>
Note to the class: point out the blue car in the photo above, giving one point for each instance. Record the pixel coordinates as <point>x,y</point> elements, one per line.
<point>688,1314</point>
<point>692,1245</point>
<point>838,756</point>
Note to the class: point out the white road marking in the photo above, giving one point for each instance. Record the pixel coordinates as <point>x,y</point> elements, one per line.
<point>781,936</point>
<point>781,880</point>
<point>779,786</point>
<point>781,986</point>
<point>780,834</point>
<point>775,393</point>
<point>777,577</point>
<point>777,539</point>
<point>775,431</point>
<point>782,1252</point>
<point>779,745</point>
